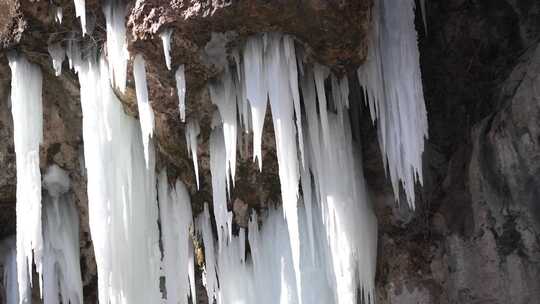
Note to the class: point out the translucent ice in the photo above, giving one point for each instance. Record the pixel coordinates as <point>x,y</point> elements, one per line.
<point>61,257</point>
<point>146,115</point>
<point>192,131</point>
<point>176,221</point>
<point>180,78</point>
<point>117,52</point>
<point>166,39</point>
<point>57,53</point>
<point>396,99</point>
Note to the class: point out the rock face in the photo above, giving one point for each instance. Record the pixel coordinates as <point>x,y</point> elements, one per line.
<point>475,236</point>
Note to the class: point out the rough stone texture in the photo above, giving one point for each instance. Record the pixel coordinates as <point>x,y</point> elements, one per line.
<point>474,237</point>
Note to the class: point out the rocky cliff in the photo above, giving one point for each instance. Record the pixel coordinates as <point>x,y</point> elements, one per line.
<point>475,234</point>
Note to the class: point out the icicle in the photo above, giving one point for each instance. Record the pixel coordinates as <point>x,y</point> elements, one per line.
<point>166,39</point>
<point>57,53</point>
<point>192,131</point>
<point>73,51</point>
<point>321,73</point>
<point>117,52</point>
<point>344,88</point>
<point>210,281</point>
<point>241,101</point>
<point>146,115</point>
<point>180,77</point>
<point>121,194</point>
<point>256,91</point>
<point>397,100</point>
<point>218,165</point>
<point>223,94</point>
<point>424,13</point>
<point>58,14</point>
<point>27,111</point>
<point>80,11</point>
<point>281,103</point>
<point>290,55</point>
<point>191,271</point>
<point>176,219</point>
<point>61,257</point>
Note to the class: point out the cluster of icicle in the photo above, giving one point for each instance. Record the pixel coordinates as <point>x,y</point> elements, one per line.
<point>122,203</point>
<point>393,88</point>
<point>315,149</point>
<point>324,247</point>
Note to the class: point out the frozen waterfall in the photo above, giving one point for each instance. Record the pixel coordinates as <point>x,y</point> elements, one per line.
<point>318,244</point>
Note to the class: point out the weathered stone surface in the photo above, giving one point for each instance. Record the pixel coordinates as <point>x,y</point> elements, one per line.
<point>464,242</point>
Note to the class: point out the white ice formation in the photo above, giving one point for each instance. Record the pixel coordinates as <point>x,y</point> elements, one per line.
<point>146,115</point>
<point>192,132</point>
<point>58,54</point>
<point>27,111</point>
<point>58,14</point>
<point>166,40</point>
<point>117,52</point>
<point>122,203</point>
<point>392,82</point>
<point>80,11</point>
<point>180,78</point>
<point>178,258</point>
<point>332,228</point>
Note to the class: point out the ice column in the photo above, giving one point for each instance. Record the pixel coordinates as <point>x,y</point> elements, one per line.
<point>282,104</point>
<point>192,132</point>
<point>122,203</point>
<point>26,108</point>
<point>218,167</point>
<point>223,94</point>
<point>180,78</point>
<point>256,90</point>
